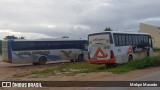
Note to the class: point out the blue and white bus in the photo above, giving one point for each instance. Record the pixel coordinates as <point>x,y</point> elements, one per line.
<point>42,51</point>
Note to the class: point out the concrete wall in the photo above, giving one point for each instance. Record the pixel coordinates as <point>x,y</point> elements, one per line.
<point>154,31</point>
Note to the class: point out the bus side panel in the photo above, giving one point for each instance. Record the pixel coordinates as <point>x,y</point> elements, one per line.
<point>22,57</point>
<point>121,54</point>
<point>66,54</point>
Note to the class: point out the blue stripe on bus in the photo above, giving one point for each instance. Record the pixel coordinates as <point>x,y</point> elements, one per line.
<point>33,55</point>
<point>52,57</point>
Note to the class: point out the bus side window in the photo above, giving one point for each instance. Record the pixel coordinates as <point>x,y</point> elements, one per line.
<point>130,40</point>
<point>79,45</point>
<point>123,40</point>
<point>15,45</point>
<point>136,39</point>
<point>23,45</point>
<point>115,39</point>
<point>120,40</point>
<point>139,39</point>
<point>127,40</point>
<point>133,39</point>
<point>85,47</point>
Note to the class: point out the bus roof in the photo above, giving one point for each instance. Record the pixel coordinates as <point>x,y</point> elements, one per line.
<point>50,39</point>
<point>119,32</point>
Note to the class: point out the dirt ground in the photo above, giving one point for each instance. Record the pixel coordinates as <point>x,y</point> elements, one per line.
<point>8,70</point>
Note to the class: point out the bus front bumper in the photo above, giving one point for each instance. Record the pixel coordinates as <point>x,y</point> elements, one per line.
<point>109,61</point>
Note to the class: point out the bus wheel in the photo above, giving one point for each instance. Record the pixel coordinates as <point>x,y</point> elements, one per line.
<point>130,58</point>
<point>42,60</point>
<point>80,57</point>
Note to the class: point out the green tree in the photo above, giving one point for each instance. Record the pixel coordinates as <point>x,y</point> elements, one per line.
<point>108,29</point>
<point>10,37</point>
<point>65,36</point>
<point>21,37</point>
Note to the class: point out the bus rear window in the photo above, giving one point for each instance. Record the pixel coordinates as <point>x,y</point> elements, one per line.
<point>99,39</point>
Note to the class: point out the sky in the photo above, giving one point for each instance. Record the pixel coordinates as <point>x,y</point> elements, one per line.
<point>36,19</point>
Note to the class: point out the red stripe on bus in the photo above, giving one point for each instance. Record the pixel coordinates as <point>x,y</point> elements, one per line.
<point>113,60</point>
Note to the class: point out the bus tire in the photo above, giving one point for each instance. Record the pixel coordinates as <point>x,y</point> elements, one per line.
<point>42,60</point>
<point>80,57</point>
<point>130,58</point>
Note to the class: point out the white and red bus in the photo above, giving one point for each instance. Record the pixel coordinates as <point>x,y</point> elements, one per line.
<point>113,47</point>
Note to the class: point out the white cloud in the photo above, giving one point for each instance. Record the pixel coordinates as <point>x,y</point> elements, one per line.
<point>27,35</point>
<point>75,18</point>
